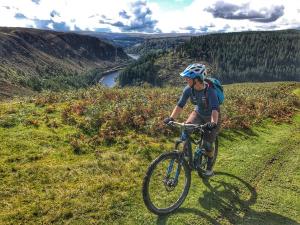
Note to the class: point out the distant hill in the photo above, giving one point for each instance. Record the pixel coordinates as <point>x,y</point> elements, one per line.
<point>123,40</point>
<point>130,40</point>
<point>157,44</point>
<point>231,57</point>
<point>42,59</point>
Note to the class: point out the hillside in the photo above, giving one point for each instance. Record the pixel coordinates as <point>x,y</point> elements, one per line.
<point>157,44</point>
<point>123,40</point>
<point>42,59</point>
<point>128,41</point>
<point>79,157</point>
<point>231,57</point>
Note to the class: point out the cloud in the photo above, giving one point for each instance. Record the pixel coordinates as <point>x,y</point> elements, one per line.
<point>151,15</point>
<point>54,13</point>
<point>102,30</point>
<point>190,29</point>
<point>50,24</point>
<point>36,1</point>
<point>92,16</point>
<point>62,26</point>
<point>194,30</point>
<point>42,24</point>
<point>139,21</point>
<point>123,14</point>
<point>231,11</point>
<point>274,13</point>
<point>20,16</point>
<point>118,24</point>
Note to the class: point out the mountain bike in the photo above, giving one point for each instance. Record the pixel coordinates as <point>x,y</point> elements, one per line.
<point>168,178</point>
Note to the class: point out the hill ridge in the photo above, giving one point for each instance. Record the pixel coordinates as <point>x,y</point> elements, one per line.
<point>30,54</point>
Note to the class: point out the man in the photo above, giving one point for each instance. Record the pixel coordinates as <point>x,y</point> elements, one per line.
<point>207,110</point>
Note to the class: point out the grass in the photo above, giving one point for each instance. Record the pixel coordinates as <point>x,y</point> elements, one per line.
<point>297,92</point>
<point>257,179</point>
<point>45,181</point>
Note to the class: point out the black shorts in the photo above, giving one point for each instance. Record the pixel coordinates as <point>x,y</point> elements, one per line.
<point>209,136</point>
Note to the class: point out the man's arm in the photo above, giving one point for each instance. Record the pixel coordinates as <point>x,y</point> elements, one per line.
<point>180,104</point>
<point>214,104</point>
<point>214,116</point>
<point>177,110</point>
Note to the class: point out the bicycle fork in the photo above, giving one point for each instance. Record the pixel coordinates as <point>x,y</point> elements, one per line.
<point>172,182</point>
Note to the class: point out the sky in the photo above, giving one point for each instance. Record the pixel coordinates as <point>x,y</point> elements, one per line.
<point>152,16</point>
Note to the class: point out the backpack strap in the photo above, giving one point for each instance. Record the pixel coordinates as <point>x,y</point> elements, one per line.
<point>206,95</point>
<point>193,96</point>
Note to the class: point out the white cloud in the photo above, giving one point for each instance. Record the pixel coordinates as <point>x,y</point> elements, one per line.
<point>86,14</point>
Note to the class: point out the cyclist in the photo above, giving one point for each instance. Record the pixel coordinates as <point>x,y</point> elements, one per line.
<point>207,110</point>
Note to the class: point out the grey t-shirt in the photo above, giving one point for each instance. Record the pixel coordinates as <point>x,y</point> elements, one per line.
<point>205,102</point>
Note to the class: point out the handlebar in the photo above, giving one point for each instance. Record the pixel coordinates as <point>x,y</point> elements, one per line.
<point>189,126</point>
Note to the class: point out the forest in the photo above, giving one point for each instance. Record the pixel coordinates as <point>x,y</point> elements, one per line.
<point>231,57</point>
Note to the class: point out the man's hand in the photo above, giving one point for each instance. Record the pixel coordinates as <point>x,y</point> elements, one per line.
<point>210,126</point>
<point>168,120</point>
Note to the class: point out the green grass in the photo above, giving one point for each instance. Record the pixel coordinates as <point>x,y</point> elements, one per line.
<point>256,182</point>
<point>297,92</point>
<point>45,181</point>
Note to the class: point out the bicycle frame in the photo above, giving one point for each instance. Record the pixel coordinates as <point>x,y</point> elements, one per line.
<point>187,153</point>
<point>174,164</point>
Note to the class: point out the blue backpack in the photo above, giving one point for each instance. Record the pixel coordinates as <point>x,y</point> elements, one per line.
<point>216,84</point>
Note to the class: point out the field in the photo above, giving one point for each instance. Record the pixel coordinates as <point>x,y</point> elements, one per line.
<point>80,157</point>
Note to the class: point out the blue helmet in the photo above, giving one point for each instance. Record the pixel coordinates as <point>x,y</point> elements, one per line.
<point>194,71</point>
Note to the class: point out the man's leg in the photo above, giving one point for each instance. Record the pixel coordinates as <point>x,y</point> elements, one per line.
<point>210,150</point>
<point>209,146</point>
<point>193,118</point>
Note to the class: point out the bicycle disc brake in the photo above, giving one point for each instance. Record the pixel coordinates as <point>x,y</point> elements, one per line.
<point>170,184</point>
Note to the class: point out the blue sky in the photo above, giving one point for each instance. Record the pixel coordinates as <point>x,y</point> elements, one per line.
<point>172,4</point>
<point>152,16</point>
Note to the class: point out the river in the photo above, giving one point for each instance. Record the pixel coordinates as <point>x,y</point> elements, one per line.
<point>134,56</point>
<point>109,79</point>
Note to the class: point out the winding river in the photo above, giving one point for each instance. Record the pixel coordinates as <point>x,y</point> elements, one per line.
<point>109,79</point>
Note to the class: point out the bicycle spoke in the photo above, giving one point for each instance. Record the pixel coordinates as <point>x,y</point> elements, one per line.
<point>164,188</point>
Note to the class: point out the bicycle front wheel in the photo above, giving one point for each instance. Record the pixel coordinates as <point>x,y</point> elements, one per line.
<point>166,183</point>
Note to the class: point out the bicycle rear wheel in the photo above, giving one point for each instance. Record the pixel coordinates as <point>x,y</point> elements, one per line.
<point>166,183</point>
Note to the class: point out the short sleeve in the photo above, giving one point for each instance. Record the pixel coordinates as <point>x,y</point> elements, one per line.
<point>184,97</point>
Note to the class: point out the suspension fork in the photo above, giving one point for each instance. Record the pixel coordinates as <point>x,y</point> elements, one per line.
<point>170,168</point>
<point>187,152</point>
<point>178,169</point>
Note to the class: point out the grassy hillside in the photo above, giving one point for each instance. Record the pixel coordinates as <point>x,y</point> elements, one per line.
<point>79,157</point>
<point>231,57</point>
<point>155,44</point>
<point>41,59</point>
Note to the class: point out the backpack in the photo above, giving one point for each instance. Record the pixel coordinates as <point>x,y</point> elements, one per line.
<point>216,84</point>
